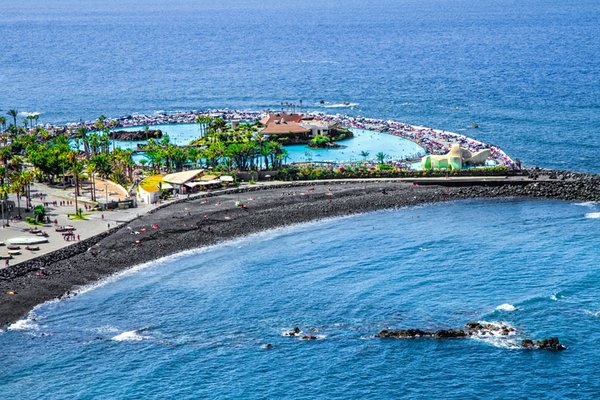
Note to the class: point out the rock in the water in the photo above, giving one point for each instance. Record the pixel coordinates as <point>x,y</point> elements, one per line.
<point>547,344</point>
<point>450,333</point>
<point>309,337</point>
<point>402,333</point>
<point>136,135</point>
<point>294,332</point>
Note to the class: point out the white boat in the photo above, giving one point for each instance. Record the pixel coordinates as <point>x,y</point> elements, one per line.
<point>340,105</point>
<point>27,240</point>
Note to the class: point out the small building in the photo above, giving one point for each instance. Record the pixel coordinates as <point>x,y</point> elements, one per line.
<point>149,189</point>
<point>178,180</point>
<point>295,127</point>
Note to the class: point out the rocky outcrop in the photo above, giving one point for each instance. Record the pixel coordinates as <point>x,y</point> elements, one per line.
<point>136,135</point>
<point>547,344</point>
<point>476,329</point>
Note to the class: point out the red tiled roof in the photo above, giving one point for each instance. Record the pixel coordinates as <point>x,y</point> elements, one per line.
<point>279,116</point>
<point>282,129</point>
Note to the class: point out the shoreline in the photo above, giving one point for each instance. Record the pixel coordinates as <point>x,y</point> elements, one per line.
<point>214,218</point>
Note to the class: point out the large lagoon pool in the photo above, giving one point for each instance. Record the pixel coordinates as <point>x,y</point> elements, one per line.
<point>372,142</point>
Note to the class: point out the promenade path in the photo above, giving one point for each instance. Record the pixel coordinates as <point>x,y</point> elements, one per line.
<point>96,221</point>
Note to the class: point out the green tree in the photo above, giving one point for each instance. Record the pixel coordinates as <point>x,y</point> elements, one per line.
<point>13,114</point>
<point>381,156</point>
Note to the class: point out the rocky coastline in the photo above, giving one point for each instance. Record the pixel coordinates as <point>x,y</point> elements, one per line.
<point>214,217</point>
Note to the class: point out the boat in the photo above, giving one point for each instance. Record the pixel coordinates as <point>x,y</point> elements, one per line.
<point>32,248</point>
<point>344,104</point>
<point>14,252</point>
<point>13,247</point>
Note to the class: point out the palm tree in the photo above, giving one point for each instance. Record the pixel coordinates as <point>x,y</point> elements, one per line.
<point>13,113</point>
<point>3,123</point>
<point>90,168</point>
<point>27,178</point>
<point>364,154</point>
<point>77,168</point>
<point>4,189</point>
<point>17,187</point>
<point>381,156</point>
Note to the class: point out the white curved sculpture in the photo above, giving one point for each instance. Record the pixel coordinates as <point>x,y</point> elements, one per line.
<point>23,240</point>
<point>456,158</point>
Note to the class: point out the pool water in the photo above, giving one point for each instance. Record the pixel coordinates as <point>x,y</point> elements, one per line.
<point>371,142</point>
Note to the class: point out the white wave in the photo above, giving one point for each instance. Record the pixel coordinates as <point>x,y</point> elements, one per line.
<point>594,313</point>
<point>130,336</point>
<point>553,297</point>
<point>502,342</point>
<point>499,325</point>
<point>506,307</point>
<point>25,324</point>
<point>593,215</point>
<point>496,339</point>
<point>587,204</point>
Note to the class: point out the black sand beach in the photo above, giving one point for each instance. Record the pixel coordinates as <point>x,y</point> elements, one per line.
<point>203,221</point>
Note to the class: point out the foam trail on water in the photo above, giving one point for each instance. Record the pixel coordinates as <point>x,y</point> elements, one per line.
<point>593,215</point>
<point>506,307</point>
<point>587,204</point>
<point>130,336</point>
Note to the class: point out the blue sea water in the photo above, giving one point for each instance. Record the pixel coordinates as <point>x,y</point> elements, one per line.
<point>526,71</point>
<point>192,326</point>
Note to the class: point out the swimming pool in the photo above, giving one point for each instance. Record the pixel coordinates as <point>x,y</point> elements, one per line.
<point>370,142</point>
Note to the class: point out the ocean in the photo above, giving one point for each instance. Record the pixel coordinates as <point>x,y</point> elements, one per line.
<point>193,326</point>
<point>527,72</point>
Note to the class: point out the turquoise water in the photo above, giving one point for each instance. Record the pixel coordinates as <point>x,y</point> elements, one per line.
<point>372,142</point>
<point>193,326</point>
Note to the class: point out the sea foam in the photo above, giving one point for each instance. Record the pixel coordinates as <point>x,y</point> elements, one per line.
<point>593,215</point>
<point>496,339</point>
<point>130,336</point>
<point>506,307</point>
<point>25,324</point>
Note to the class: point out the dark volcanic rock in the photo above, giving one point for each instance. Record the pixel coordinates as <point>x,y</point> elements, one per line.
<point>403,334</point>
<point>450,333</point>
<point>136,135</point>
<point>473,329</point>
<point>547,344</point>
